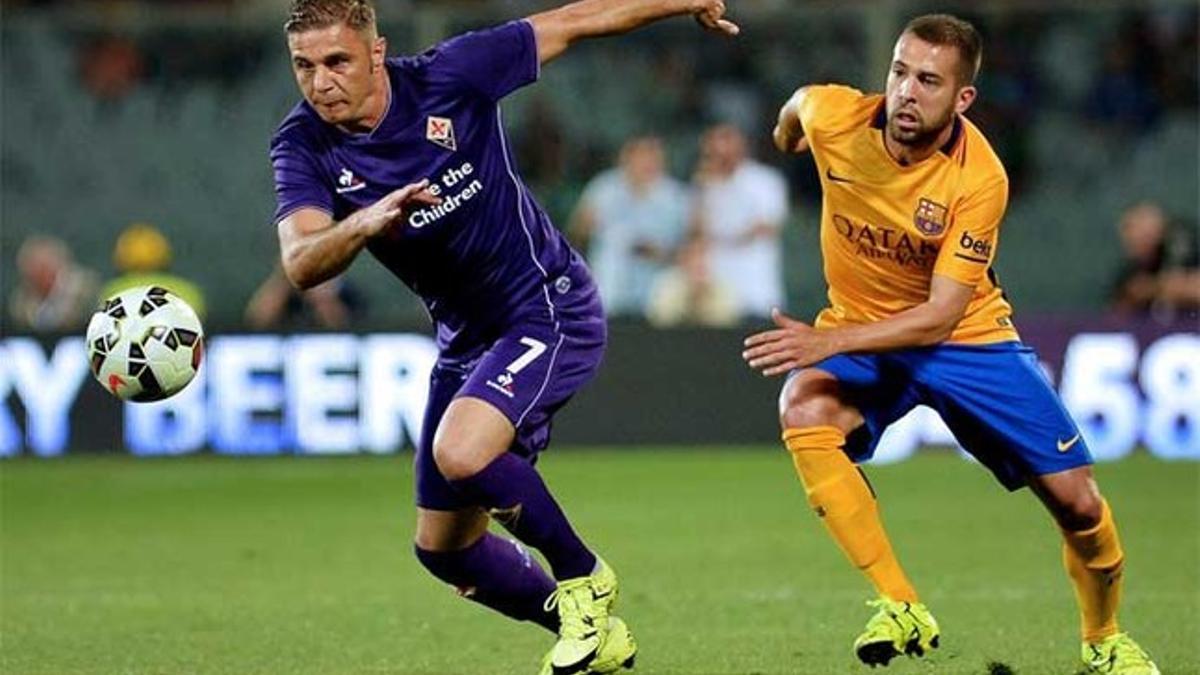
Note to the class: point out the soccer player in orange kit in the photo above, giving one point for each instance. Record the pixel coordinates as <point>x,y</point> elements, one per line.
<point>913,201</point>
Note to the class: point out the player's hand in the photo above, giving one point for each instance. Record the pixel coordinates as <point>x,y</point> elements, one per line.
<point>788,133</point>
<point>793,344</point>
<point>711,15</point>
<point>789,141</point>
<point>392,207</point>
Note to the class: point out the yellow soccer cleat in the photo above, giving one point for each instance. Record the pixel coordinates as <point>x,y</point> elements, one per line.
<point>583,605</point>
<point>897,628</point>
<point>618,651</point>
<point>1118,655</point>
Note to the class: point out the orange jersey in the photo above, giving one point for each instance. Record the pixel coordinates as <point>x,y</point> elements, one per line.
<point>886,229</point>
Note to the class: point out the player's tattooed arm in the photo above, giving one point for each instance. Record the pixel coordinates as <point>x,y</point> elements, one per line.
<point>315,249</point>
<point>789,132</point>
<point>794,344</point>
<point>558,28</point>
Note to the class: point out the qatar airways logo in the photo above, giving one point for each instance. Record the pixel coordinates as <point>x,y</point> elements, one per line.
<point>877,242</point>
<point>456,178</point>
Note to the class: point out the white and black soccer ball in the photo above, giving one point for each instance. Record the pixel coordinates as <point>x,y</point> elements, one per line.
<point>144,344</point>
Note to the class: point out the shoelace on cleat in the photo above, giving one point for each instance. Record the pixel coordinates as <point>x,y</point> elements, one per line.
<point>888,616</point>
<point>1128,652</point>
<point>568,600</point>
<point>885,613</point>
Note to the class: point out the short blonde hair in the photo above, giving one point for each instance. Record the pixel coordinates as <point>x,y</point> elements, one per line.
<point>306,15</point>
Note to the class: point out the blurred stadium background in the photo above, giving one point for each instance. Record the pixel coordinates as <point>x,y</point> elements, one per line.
<point>159,112</point>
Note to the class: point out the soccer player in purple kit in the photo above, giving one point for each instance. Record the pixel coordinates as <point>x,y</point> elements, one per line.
<point>407,158</point>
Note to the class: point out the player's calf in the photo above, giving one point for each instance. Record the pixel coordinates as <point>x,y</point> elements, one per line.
<point>497,573</point>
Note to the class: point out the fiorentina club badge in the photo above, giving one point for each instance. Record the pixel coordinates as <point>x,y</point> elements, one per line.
<point>440,130</point>
<point>930,217</point>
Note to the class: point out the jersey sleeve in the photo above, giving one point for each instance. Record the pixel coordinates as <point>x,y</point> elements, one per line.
<point>970,244</point>
<point>493,62</point>
<point>298,183</point>
<point>824,108</point>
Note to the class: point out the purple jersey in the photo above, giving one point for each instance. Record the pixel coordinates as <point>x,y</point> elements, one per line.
<point>485,258</point>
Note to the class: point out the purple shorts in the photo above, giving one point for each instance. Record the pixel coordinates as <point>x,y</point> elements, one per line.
<point>534,368</point>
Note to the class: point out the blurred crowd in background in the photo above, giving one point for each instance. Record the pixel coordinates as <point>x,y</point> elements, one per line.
<point>134,151</point>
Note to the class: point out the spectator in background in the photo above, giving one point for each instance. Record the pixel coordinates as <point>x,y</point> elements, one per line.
<point>142,257</point>
<point>278,304</point>
<point>687,294</point>
<point>739,211</point>
<point>111,66</point>
<point>631,220</point>
<point>1124,96</point>
<point>54,293</point>
<point>1159,275</point>
<point>1178,32</point>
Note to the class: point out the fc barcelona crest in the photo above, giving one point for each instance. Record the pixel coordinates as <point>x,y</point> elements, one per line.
<point>440,131</point>
<point>930,217</point>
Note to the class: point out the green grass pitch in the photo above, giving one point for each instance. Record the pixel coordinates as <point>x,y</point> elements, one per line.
<point>303,566</point>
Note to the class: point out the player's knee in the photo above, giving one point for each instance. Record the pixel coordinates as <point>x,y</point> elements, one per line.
<point>811,413</point>
<point>1080,511</point>
<point>454,460</point>
<point>810,400</point>
<point>471,434</point>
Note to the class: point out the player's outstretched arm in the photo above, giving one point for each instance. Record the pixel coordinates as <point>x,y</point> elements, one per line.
<point>557,29</point>
<point>794,344</point>
<point>789,132</point>
<point>315,249</point>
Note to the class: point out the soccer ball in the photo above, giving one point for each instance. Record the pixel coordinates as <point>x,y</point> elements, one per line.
<point>144,344</point>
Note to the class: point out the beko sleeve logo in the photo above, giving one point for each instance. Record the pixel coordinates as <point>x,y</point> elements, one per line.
<point>975,250</point>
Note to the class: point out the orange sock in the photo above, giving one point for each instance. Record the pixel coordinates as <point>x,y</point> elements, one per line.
<point>841,497</point>
<point>1095,561</point>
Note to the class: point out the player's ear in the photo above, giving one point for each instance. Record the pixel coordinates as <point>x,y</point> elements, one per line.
<point>964,98</point>
<point>378,52</point>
